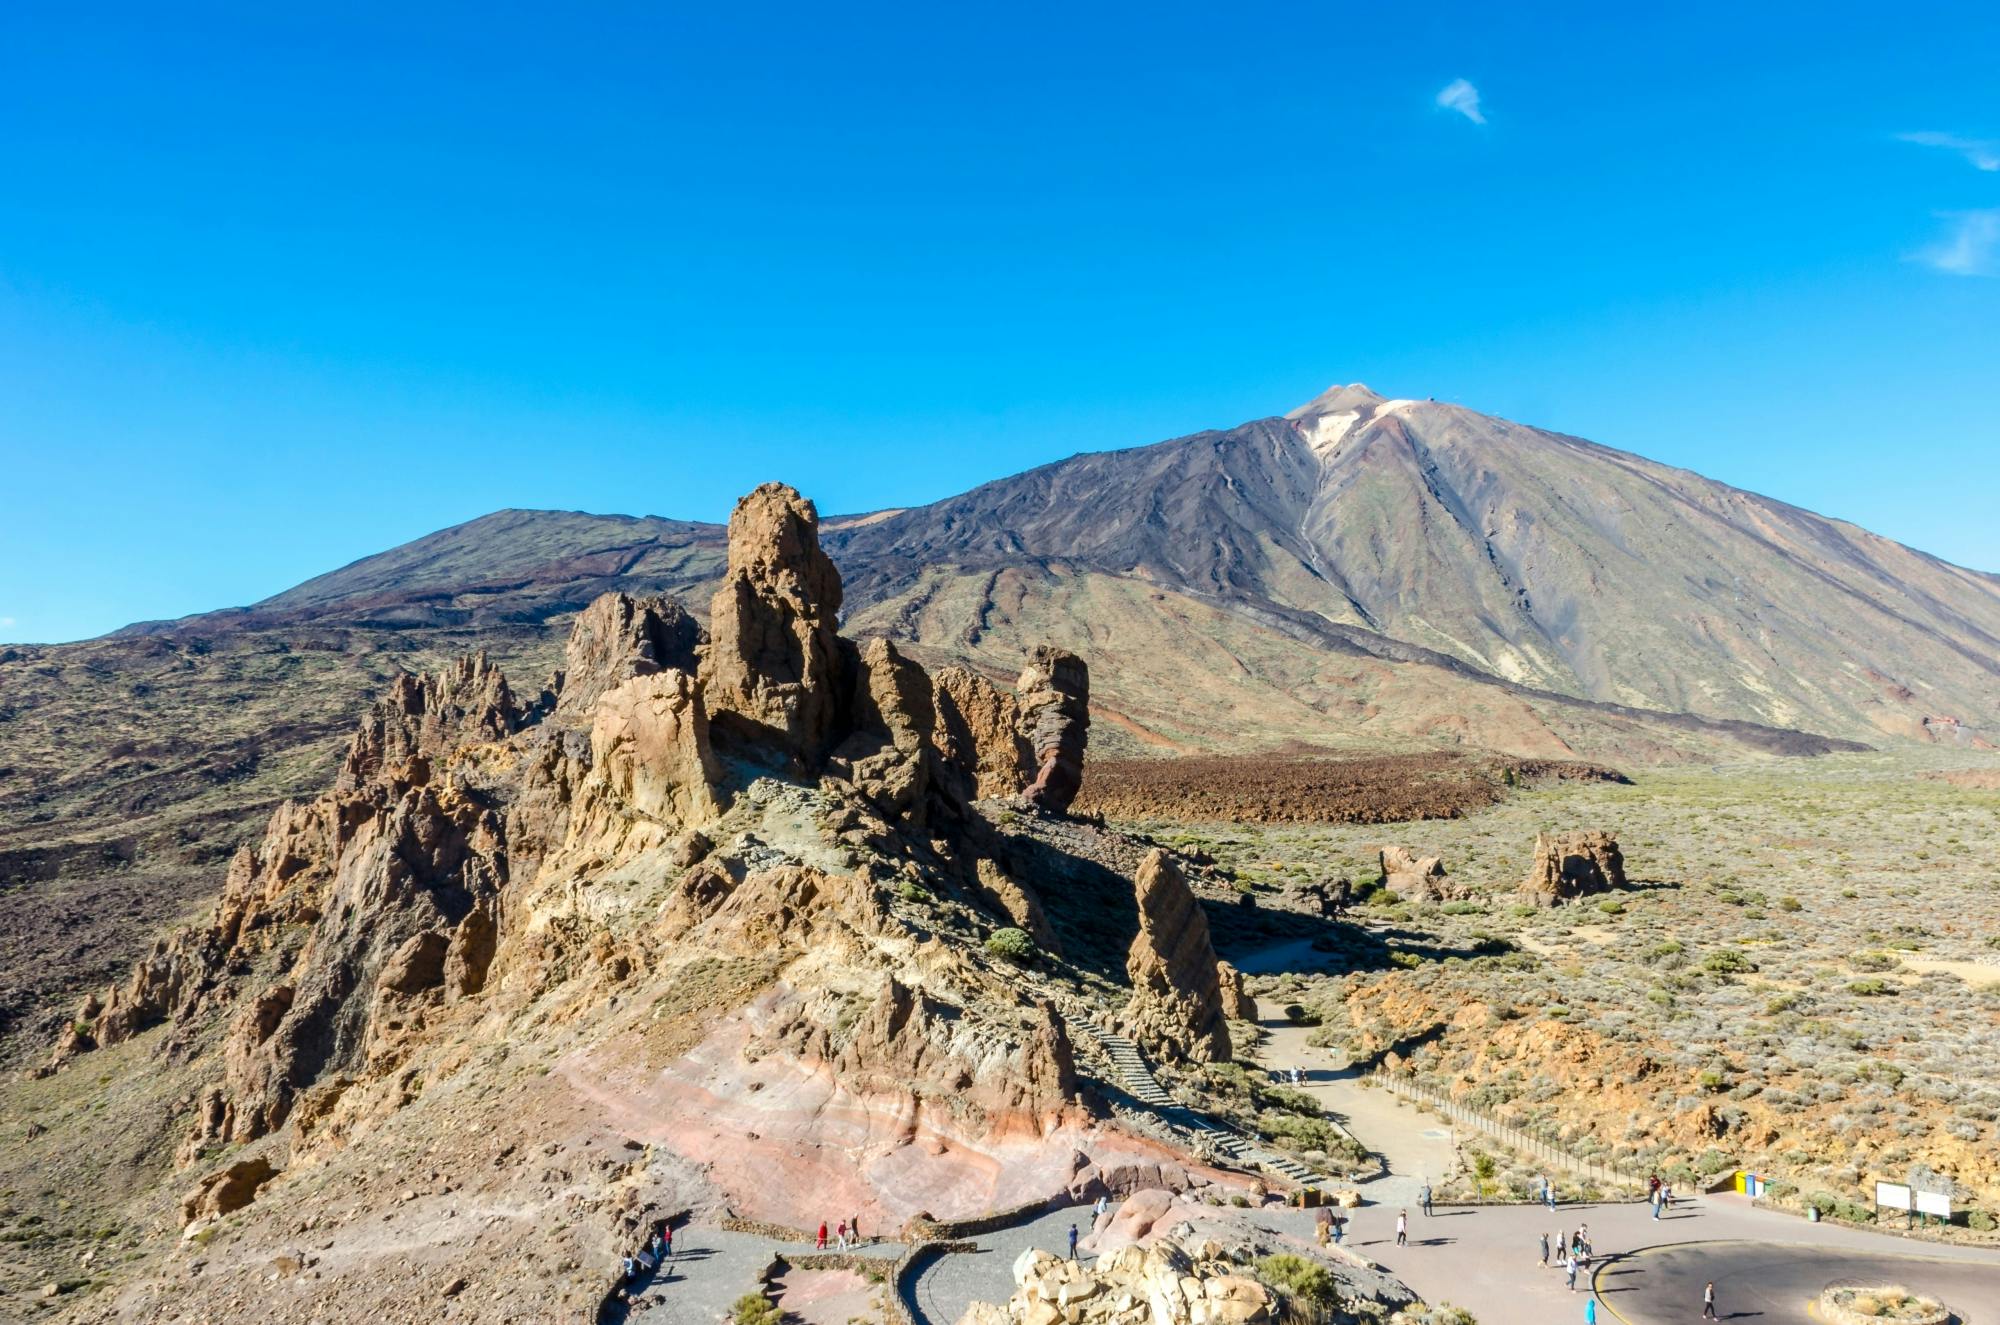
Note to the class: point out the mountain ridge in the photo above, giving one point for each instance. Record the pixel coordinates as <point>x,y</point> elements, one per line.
<point>1404,530</point>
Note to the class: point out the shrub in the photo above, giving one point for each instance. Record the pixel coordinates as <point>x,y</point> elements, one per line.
<point>1011,945</point>
<point>754,1309</point>
<point>1981,1222</point>
<point>1870,988</point>
<point>1727,961</point>
<point>1302,1280</point>
<point>1790,904</point>
<point>912,891</point>
<point>1611,906</point>
<point>1713,1079</point>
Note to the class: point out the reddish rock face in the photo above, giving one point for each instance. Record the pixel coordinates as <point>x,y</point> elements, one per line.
<point>772,668</point>
<point>1054,696</point>
<point>1176,1008</point>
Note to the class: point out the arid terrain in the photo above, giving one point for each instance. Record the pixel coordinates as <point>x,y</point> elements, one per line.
<point>1801,976</point>
<point>414,944</point>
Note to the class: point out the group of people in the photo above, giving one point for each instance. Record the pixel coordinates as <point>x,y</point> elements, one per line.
<point>655,1252</point>
<point>846,1234</point>
<point>1659,1195</point>
<point>1571,1251</point>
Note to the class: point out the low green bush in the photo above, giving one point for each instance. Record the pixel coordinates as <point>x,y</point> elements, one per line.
<point>1304,1281</point>
<point>1011,945</point>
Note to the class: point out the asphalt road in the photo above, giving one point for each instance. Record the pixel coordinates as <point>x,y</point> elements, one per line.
<point>1770,1283</point>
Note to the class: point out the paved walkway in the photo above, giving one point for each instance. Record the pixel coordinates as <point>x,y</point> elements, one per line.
<point>710,1269</point>
<point>1484,1258</point>
<point>946,1286</point>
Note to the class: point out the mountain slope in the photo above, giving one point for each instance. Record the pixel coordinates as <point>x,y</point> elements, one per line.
<point>1529,556</point>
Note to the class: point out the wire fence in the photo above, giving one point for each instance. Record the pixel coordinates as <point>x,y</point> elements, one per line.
<point>1546,1151</point>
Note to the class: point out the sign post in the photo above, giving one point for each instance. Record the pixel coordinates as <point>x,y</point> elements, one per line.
<point>1892,1196</point>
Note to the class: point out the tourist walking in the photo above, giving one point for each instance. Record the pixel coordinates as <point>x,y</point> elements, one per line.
<point>1708,1301</point>
<point>1548,1192</point>
<point>820,1243</point>
<point>666,1240</point>
<point>1569,1270</point>
<point>1072,1241</point>
<point>1424,1200</point>
<point>1545,1251</point>
<point>840,1235</point>
<point>1097,1211</point>
<point>1402,1228</point>
<point>1590,1311</point>
<point>854,1228</point>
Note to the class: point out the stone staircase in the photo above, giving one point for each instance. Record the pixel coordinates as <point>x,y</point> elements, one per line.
<point>1139,1082</point>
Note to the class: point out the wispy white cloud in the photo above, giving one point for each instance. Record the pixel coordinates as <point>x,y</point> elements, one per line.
<point>1463,97</point>
<point>1982,153</point>
<point>1970,245</point>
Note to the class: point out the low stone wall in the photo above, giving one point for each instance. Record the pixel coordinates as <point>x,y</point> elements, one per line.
<point>947,1229</point>
<point>902,1280</point>
<point>760,1229</point>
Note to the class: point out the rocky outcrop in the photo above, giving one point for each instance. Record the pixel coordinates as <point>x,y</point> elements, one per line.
<point>1160,1284</point>
<point>1412,877</point>
<point>1054,698</point>
<point>1572,865</point>
<point>772,669</point>
<point>1176,1007</point>
<point>979,733</point>
<point>909,1043</point>
<point>423,719</point>
<point>651,765</point>
<point>226,1190</point>
<point>1237,1005</point>
<point>888,756</point>
<point>619,637</point>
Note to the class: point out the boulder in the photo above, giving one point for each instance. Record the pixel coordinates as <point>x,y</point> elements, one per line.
<point>1412,877</point>
<point>772,668</point>
<point>1571,865</point>
<point>1176,1005</point>
<point>226,1190</point>
<point>1054,698</point>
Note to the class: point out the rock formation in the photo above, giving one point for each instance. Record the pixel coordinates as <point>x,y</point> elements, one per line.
<point>979,731</point>
<point>1054,695</point>
<point>423,719</point>
<point>1412,877</point>
<point>1176,1008</point>
<point>888,756</point>
<point>619,637</point>
<point>1160,1284</point>
<point>1237,1005</point>
<point>1570,865</point>
<point>772,669</point>
<point>760,845</point>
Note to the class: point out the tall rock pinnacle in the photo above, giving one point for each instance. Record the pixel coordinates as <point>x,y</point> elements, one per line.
<point>771,672</point>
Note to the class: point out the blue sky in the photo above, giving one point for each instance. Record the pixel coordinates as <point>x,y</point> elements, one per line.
<point>278,290</point>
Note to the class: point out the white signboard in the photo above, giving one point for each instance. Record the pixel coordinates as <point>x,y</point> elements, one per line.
<point>1892,1195</point>
<point>1934,1203</point>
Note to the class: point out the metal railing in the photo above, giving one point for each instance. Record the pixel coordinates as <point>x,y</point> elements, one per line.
<point>1545,1150</point>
